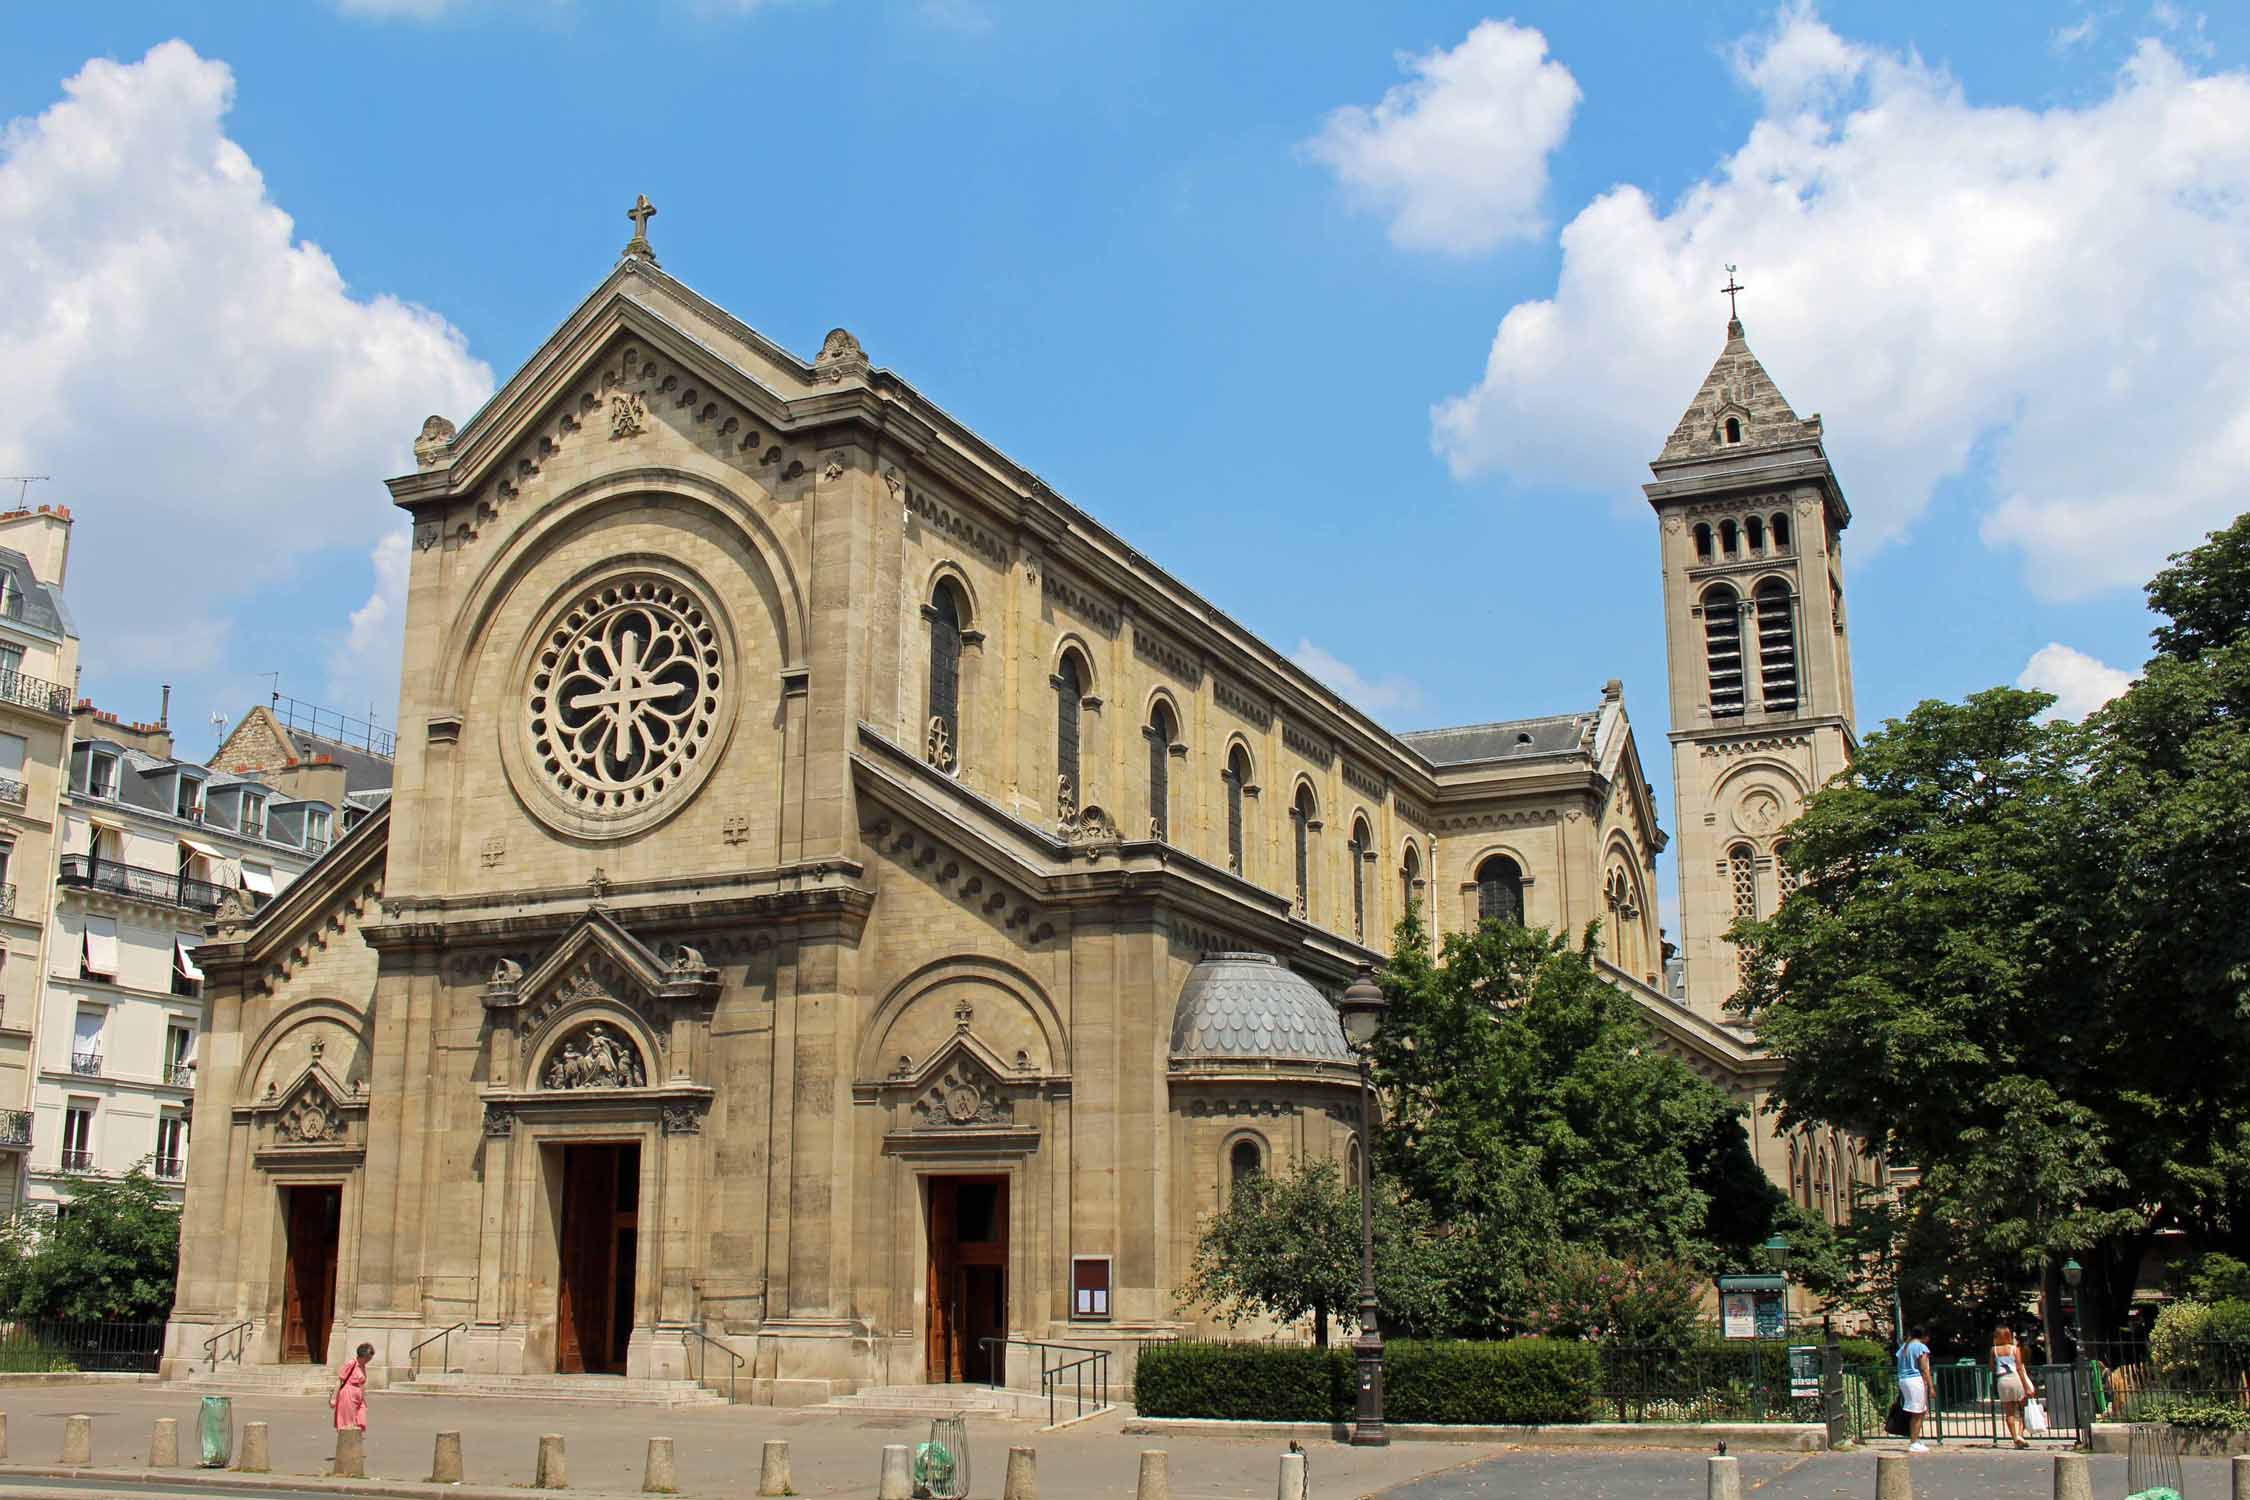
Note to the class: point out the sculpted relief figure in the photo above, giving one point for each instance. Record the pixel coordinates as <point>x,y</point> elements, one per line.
<point>607,1061</point>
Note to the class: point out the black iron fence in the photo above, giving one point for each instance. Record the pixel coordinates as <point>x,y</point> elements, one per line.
<point>1751,1381</point>
<point>34,692</point>
<point>2201,1384</point>
<point>62,1345</point>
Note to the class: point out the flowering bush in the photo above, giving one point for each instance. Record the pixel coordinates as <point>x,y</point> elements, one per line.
<point>1584,1294</point>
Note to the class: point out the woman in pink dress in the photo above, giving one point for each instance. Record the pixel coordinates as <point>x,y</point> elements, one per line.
<point>351,1391</point>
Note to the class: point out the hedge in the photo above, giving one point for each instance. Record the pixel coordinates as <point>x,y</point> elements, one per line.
<point>1521,1382</point>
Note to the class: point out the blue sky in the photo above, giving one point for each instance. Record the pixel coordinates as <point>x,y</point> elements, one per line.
<point>1233,278</point>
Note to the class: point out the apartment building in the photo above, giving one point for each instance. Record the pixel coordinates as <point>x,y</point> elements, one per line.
<point>154,846</point>
<point>38,671</point>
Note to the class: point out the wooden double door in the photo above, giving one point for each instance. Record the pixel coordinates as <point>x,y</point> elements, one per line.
<point>312,1224</point>
<point>968,1290</point>
<point>599,1236</point>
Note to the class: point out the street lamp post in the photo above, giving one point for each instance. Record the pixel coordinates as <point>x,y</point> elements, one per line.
<point>2081,1397</point>
<point>1362,1013</point>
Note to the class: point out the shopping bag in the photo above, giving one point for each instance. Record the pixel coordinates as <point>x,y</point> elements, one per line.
<point>1898,1423</point>
<point>2035,1415</point>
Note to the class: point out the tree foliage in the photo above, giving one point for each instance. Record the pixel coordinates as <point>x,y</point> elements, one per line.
<point>113,1255</point>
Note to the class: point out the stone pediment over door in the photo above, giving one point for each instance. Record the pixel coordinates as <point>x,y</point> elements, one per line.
<point>964,1098</point>
<point>316,1120</point>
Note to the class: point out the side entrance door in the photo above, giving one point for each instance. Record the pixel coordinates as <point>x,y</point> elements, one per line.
<point>312,1218</point>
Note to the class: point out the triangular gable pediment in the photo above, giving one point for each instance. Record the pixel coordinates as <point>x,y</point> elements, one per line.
<point>596,952</point>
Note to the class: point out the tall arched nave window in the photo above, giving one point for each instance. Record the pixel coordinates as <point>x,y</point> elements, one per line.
<point>1070,699</point>
<point>1358,855</point>
<point>1237,778</point>
<point>1500,891</point>
<point>1161,732</point>
<point>1409,877</point>
<point>943,746</point>
<point>1301,818</point>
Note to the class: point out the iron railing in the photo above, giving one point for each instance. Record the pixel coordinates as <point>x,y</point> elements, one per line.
<point>1058,1373</point>
<point>92,872</point>
<point>1753,1380</point>
<point>180,1075</point>
<point>34,692</point>
<point>2195,1384</point>
<point>443,1338</point>
<point>13,790</point>
<point>77,1161</point>
<point>15,1128</point>
<point>86,1064</point>
<point>328,724</point>
<point>171,1168</point>
<point>7,899</point>
<point>239,1333</point>
<point>703,1369</point>
<point>62,1345</point>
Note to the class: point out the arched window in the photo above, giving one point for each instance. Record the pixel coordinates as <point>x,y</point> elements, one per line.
<point>1358,856</point>
<point>1780,531</point>
<point>1237,777</point>
<point>1795,1172</point>
<point>1702,541</point>
<point>1624,918</point>
<point>1409,877</point>
<point>1824,1189</point>
<point>1742,872</point>
<point>1777,647</point>
<point>1244,1162</point>
<point>1160,735</point>
<point>1301,818</point>
<point>1754,530</point>
<point>1722,650</point>
<point>1070,697</point>
<point>1500,891</point>
<point>942,745</point>
<point>1730,538</point>
<point>1734,429</point>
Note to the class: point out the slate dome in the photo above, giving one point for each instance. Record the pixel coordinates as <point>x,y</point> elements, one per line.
<point>1248,1007</point>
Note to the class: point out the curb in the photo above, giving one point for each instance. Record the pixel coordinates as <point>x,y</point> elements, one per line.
<point>1741,1437</point>
<point>228,1481</point>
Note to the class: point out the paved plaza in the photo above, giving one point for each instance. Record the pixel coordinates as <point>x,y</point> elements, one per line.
<point>717,1449</point>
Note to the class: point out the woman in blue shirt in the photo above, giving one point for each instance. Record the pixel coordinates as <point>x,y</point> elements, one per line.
<point>1914,1387</point>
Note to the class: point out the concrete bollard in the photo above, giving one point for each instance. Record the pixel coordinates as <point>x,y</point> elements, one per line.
<point>895,1481</point>
<point>552,1473</point>
<point>2241,1463</point>
<point>3,1434</point>
<point>164,1444</point>
<point>657,1476</point>
<point>2074,1477</point>
<point>1892,1480</point>
<point>773,1468</point>
<point>1292,1486</point>
<point>1722,1479</point>
<point>77,1442</point>
<point>1156,1476</point>
<point>445,1459</point>
<point>351,1454</point>
<point>1023,1475</point>
<point>256,1454</point>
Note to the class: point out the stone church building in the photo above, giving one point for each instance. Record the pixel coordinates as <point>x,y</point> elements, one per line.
<point>840,900</point>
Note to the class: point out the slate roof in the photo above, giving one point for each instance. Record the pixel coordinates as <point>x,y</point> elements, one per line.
<point>364,771</point>
<point>1246,1006</point>
<point>1551,734</point>
<point>42,606</point>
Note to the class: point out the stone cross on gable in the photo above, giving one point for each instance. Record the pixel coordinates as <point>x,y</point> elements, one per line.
<point>640,213</point>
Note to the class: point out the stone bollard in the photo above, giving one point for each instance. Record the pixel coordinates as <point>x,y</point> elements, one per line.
<point>77,1442</point>
<point>2074,1477</point>
<point>773,1468</point>
<point>445,1459</point>
<point>552,1473</point>
<point>895,1481</point>
<point>3,1434</point>
<point>1023,1475</point>
<point>1722,1479</point>
<point>1156,1476</point>
<point>1892,1480</point>
<point>657,1477</point>
<point>351,1454</point>
<point>164,1444</point>
<point>1292,1486</point>
<point>256,1457</point>
<point>2241,1463</point>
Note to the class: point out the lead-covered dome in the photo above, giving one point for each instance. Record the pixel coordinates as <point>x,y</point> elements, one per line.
<point>1247,1007</point>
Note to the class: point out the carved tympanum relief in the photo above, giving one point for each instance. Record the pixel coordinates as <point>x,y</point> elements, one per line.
<point>596,1058</point>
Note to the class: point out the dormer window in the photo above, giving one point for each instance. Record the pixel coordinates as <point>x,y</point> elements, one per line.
<point>253,815</point>
<point>1734,429</point>
<point>101,775</point>
<point>188,798</point>
<point>316,828</point>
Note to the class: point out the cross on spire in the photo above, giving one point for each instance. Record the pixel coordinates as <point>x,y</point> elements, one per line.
<point>1731,288</point>
<point>640,213</point>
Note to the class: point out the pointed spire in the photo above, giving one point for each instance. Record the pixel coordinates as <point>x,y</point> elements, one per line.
<point>1738,405</point>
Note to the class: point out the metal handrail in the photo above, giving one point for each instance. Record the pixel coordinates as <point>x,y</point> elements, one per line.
<point>734,1371</point>
<point>1051,1376</point>
<point>210,1345</point>
<point>445,1354</point>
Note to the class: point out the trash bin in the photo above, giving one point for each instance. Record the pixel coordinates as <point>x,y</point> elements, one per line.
<point>2058,1387</point>
<point>215,1428</point>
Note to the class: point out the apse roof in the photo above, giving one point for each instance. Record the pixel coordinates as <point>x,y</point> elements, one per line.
<point>1248,1007</point>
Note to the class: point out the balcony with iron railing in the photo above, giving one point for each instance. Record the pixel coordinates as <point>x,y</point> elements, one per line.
<point>92,872</point>
<point>86,1064</point>
<point>180,1075</point>
<point>77,1161</point>
<point>171,1168</point>
<point>7,900</point>
<point>14,791</point>
<point>15,1129</point>
<point>34,692</point>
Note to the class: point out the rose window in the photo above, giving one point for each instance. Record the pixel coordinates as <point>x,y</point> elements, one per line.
<point>625,694</point>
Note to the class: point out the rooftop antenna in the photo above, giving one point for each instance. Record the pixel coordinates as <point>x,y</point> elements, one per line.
<point>218,720</point>
<point>23,483</point>
<point>275,695</point>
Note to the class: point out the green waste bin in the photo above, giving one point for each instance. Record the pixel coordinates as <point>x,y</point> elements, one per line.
<point>215,1427</point>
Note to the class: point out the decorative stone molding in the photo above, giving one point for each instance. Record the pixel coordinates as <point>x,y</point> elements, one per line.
<point>499,1122</point>
<point>1081,602</point>
<point>681,1119</point>
<point>957,524</point>
<point>429,448</point>
<point>595,1057</point>
<point>1304,742</point>
<point>1162,654</point>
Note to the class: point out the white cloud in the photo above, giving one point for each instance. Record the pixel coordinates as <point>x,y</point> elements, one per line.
<point>2075,35</point>
<point>363,666</point>
<point>1381,697</point>
<point>214,402</point>
<point>2080,683</point>
<point>2065,285</point>
<point>1457,156</point>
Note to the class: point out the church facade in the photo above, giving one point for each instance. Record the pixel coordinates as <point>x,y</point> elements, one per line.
<point>840,901</point>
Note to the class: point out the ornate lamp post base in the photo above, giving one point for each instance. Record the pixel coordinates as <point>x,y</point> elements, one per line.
<point>1367,1351</point>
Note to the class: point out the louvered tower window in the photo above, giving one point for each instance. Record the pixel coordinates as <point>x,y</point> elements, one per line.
<point>1777,648</point>
<point>1722,650</point>
<point>945,669</point>
<point>1070,695</point>
<point>1237,777</point>
<point>1160,772</point>
<point>1742,868</point>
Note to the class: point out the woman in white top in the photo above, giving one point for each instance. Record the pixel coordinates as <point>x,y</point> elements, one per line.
<point>2011,1382</point>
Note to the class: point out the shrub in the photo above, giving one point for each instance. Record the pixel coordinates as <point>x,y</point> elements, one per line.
<point>2230,1324</point>
<point>1521,1382</point>
<point>2176,1343</point>
<point>1243,1382</point>
<point>1581,1293</point>
<point>1863,1352</point>
<point>2196,1413</point>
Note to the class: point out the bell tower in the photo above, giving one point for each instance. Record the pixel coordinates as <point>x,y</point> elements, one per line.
<point>1751,524</point>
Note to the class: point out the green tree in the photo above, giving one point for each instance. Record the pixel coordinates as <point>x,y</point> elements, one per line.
<point>113,1255</point>
<point>1287,1247</point>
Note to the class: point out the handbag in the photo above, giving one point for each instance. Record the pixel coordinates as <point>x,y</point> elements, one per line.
<point>2035,1415</point>
<point>1898,1423</point>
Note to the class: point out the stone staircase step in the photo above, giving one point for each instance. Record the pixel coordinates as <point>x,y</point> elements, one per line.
<point>601,1389</point>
